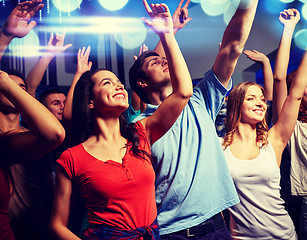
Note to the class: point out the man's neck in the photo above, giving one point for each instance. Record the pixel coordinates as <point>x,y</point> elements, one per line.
<point>156,98</point>
<point>10,121</point>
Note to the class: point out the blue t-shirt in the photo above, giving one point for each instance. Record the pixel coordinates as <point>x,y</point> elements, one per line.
<point>192,178</point>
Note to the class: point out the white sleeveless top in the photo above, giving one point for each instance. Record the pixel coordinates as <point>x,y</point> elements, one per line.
<point>297,147</point>
<point>260,213</point>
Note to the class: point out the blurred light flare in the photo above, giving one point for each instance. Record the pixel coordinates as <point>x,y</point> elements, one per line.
<point>25,47</point>
<point>215,8</point>
<point>67,5</point>
<point>113,5</point>
<point>287,1</point>
<point>304,11</point>
<point>230,11</point>
<point>96,25</point>
<point>300,39</point>
<point>131,39</point>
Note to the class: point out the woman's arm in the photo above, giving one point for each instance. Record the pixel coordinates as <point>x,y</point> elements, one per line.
<point>281,132</point>
<point>168,112</point>
<point>83,65</point>
<point>61,205</point>
<point>289,18</point>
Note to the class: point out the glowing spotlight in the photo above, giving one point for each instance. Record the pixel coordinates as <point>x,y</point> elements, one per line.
<point>303,1</point>
<point>300,39</point>
<point>25,47</point>
<point>132,37</point>
<point>213,8</point>
<point>231,11</point>
<point>304,11</point>
<point>195,1</point>
<point>113,5</point>
<point>287,1</point>
<point>66,5</point>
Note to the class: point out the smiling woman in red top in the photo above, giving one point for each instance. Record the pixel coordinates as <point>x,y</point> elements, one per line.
<point>111,161</point>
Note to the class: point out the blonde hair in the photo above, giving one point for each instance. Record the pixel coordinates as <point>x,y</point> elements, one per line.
<point>233,117</point>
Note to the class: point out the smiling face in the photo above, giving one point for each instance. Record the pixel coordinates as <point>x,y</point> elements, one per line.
<point>253,108</point>
<point>109,93</point>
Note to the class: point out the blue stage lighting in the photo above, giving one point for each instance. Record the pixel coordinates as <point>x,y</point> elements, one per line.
<point>304,11</point>
<point>134,35</point>
<point>287,1</point>
<point>231,11</point>
<point>300,39</point>
<point>215,8</point>
<point>66,5</point>
<point>25,47</point>
<point>113,5</point>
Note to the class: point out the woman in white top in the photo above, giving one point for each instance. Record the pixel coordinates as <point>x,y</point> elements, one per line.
<point>254,154</point>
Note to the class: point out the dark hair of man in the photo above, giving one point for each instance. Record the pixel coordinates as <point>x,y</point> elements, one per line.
<point>45,94</point>
<point>82,117</point>
<point>136,72</point>
<point>16,73</point>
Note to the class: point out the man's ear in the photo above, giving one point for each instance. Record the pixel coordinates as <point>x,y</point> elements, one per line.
<point>91,104</point>
<point>142,83</point>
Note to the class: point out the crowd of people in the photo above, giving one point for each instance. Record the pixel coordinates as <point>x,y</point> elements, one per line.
<point>172,161</point>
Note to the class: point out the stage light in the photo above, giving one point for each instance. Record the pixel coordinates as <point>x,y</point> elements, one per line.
<point>195,1</point>
<point>304,11</point>
<point>287,1</point>
<point>303,1</point>
<point>231,11</point>
<point>274,6</point>
<point>66,5</point>
<point>300,39</point>
<point>213,8</point>
<point>25,47</point>
<point>113,5</point>
<point>95,25</point>
<point>133,37</point>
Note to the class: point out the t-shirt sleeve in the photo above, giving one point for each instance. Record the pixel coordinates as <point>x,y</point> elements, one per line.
<point>66,162</point>
<point>210,92</point>
<point>130,114</point>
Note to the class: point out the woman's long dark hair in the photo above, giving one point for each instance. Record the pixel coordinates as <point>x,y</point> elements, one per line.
<point>83,121</point>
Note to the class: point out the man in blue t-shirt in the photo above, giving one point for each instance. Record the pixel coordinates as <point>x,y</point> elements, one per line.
<point>193,184</point>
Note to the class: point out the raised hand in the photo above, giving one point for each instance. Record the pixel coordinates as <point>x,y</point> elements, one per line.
<point>83,64</point>
<point>289,17</point>
<point>143,48</point>
<point>17,24</point>
<point>255,56</point>
<point>160,18</point>
<point>180,16</point>
<point>56,44</point>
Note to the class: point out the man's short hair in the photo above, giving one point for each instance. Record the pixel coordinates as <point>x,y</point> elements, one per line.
<point>136,72</point>
<point>16,73</point>
<point>45,94</point>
